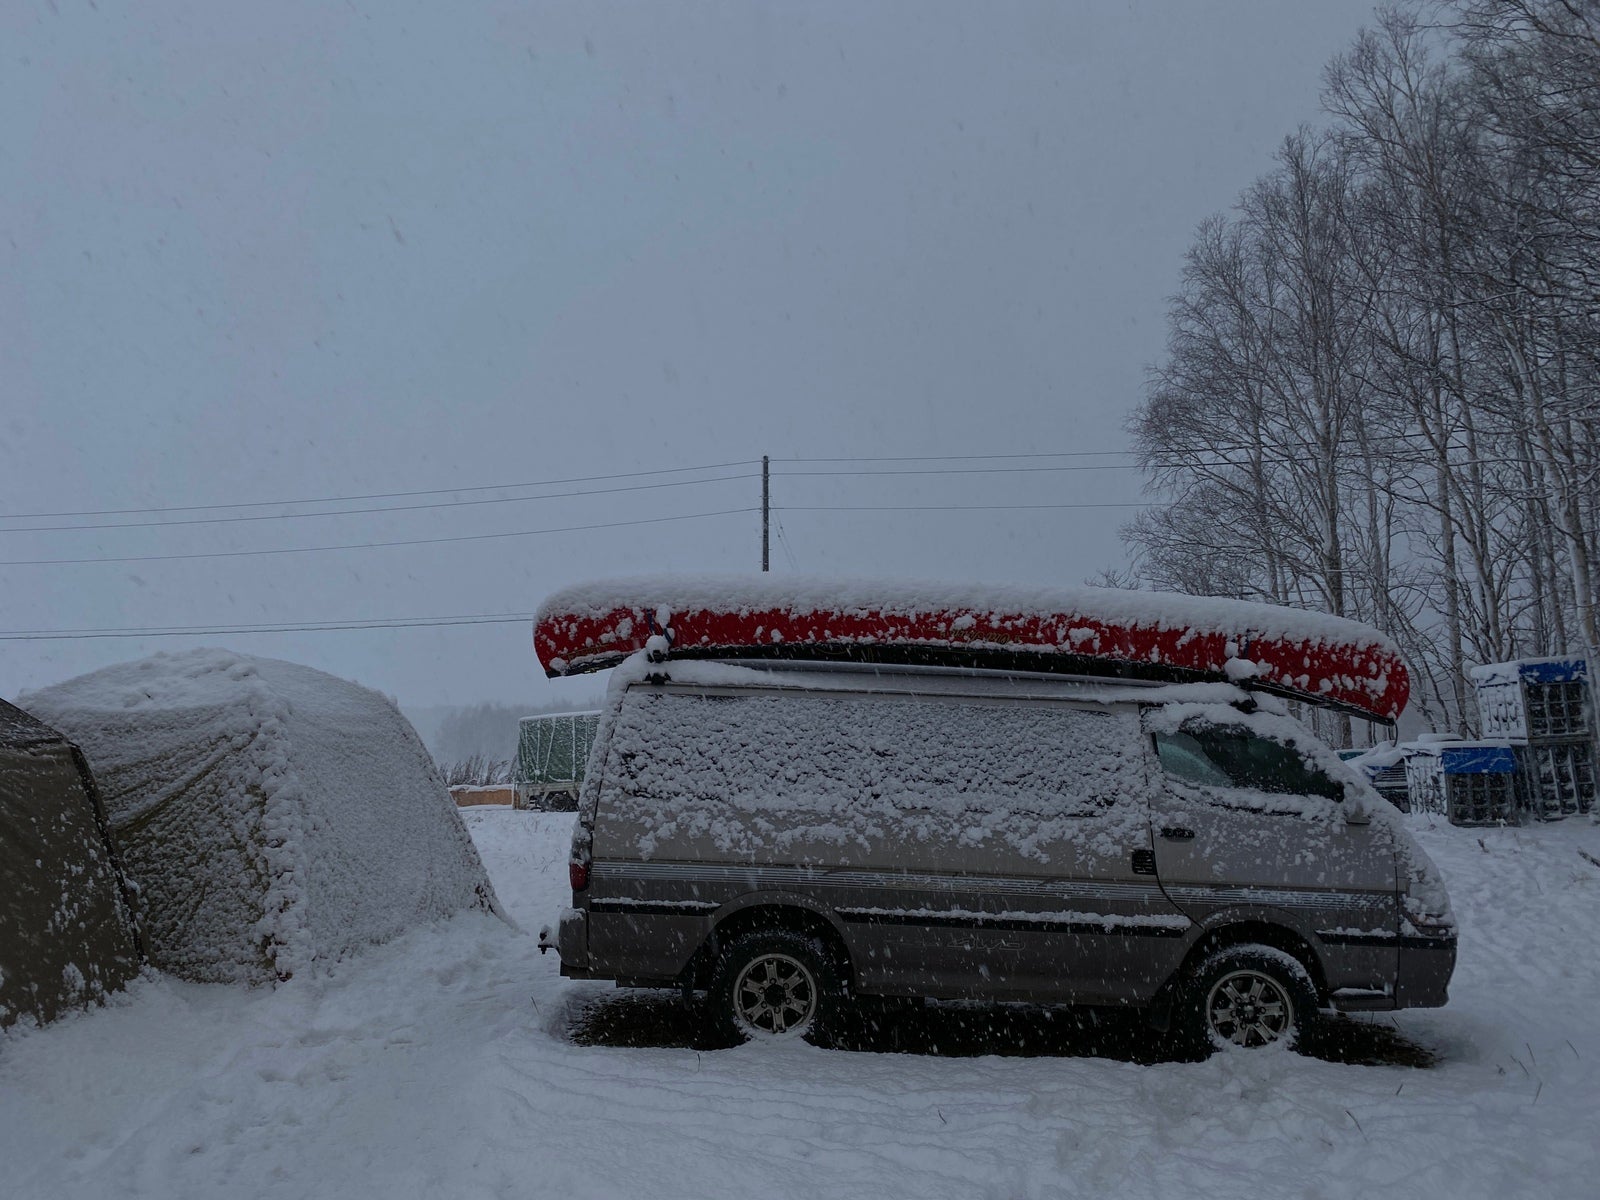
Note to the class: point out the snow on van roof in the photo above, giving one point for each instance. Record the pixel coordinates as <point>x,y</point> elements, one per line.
<point>1313,656</point>
<point>809,593</point>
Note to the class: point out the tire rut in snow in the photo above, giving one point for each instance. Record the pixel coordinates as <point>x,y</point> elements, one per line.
<point>658,1019</point>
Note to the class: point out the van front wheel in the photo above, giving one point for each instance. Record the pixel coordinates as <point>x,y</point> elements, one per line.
<point>1248,997</point>
<point>771,985</point>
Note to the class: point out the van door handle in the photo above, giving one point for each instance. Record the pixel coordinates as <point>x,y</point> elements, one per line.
<point>1177,833</point>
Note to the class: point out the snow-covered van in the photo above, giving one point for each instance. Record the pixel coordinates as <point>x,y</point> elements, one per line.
<point>784,835</point>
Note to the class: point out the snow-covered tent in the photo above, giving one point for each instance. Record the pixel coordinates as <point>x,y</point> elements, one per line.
<point>272,817</point>
<point>65,935</point>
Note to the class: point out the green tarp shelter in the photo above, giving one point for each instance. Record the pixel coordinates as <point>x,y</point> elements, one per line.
<point>65,934</point>
<point>552,755</point>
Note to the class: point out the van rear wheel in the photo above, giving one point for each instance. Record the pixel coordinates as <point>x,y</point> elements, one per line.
<point>772,985</point>
<point>1248,997</point>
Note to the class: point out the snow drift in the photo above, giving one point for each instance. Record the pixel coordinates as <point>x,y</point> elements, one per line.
<point>272,818</point>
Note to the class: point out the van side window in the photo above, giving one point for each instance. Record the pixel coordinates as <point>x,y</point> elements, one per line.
<point>1224,756</point>
<point>1183,757</point>
<point>801,768</point>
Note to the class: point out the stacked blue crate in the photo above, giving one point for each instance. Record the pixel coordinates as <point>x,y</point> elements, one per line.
<point>1480,783</point>
<point>1470,783</point>
<point>1545,708</point>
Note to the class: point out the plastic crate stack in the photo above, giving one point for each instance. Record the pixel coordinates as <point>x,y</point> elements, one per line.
<point>1470,783</point>
<point>1544,707</point>
<point>1480,783</point>
<point>1424,779</point>
<point>1392,785</point>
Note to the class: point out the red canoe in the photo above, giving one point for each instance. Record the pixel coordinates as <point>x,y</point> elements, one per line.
<point>1306,656</point>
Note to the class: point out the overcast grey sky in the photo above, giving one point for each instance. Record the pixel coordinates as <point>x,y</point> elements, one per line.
<point>259,252</point>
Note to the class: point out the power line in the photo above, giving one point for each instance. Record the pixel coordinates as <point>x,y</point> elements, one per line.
<point>959,470</point>
<point>472,537</point>
<point>484,487</point>
<point>342,512</point>
<point>1222,463</point>
<point>1174,464</point>
<point>1402,435</point>
<point>748,462</point>
<point>45,635</point>
<point>954,507</point>
<point>954,457</point>
<point>1017,470</point>
<point>783,540</point>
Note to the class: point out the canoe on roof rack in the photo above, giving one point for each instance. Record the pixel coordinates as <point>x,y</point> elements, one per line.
<point>1312,657</point>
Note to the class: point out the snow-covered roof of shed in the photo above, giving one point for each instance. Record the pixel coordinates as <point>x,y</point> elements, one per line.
<point>186,680</point>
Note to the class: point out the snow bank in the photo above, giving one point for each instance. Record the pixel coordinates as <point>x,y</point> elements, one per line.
<point>441,1065</point>
<point>272,817</point>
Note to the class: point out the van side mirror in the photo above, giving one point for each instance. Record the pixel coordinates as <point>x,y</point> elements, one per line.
<point>1354,805</point>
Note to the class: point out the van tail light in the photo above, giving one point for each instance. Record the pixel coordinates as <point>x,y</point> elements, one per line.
<point>578,873</point>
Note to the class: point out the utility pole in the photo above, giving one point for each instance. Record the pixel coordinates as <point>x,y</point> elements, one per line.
<point>766,492</point>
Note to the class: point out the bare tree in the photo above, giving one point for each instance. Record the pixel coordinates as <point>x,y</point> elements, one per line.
<point>1381,393</point>
<point>476,770</point>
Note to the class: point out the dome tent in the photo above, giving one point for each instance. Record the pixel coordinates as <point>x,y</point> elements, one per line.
<point>272,817</point>
<point>65,935</point>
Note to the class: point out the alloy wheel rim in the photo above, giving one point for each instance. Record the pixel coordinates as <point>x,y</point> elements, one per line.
<point>775,996</point>
<point>1249,1008</point>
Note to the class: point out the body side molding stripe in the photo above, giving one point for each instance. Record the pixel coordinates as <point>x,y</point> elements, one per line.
<point>653,908</point>
<point>1043,923</point>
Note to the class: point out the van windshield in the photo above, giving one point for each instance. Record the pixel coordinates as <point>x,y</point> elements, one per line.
<point>1220,756</point>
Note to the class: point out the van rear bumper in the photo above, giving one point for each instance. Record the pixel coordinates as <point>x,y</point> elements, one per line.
<point>1426,964</point>
<point>572,943</point>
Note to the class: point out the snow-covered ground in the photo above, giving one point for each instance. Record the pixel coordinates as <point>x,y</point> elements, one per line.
<point>443,1065</point>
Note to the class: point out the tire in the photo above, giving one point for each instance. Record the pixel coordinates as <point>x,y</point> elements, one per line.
<point>772,985</point>
<point>1247,997</point>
